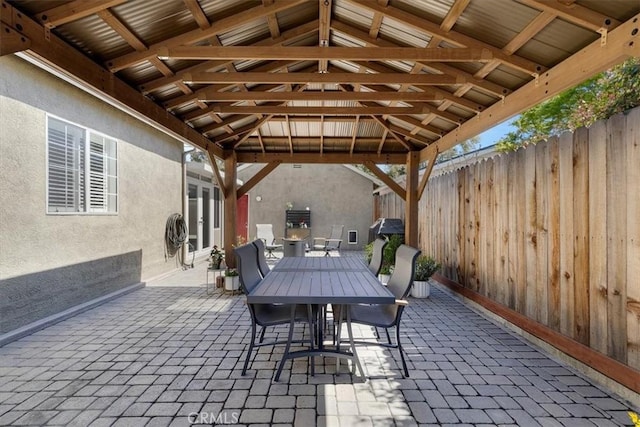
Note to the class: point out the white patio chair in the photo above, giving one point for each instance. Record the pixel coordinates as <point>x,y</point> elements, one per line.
<point>265,233</point>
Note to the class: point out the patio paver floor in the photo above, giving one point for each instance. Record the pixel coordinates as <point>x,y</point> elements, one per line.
<point>169,354</point>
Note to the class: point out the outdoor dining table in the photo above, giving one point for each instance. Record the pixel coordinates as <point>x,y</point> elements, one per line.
<point>320,281</point>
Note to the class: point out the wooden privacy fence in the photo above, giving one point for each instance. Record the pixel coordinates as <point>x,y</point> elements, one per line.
<point>551,231</point>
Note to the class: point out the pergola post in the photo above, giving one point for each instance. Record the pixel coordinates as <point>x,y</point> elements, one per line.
<point>230,207</point>
<point>411,200</point>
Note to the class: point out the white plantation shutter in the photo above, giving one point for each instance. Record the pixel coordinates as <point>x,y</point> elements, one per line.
<point>80,169</point>
<point>66,167</point>
<point>102,174</point>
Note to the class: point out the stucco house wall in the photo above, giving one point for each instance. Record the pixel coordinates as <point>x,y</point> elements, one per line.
<point>51,262</point>
<point>334,194</point>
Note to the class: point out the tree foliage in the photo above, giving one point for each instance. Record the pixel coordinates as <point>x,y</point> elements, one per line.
<point>608,93</point>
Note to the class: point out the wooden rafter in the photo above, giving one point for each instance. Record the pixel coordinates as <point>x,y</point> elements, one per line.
<point>12,40</point>
<point>195,36</point>
<point>255,179</point>
<point>454,13</point>
<point>445,69</point>
<point>47,47</point>
<point>310,53</point>
<point>326,158</point>
<point>70,12</point>
<point>289,36</point>
<point>386,179</point>
<point>198,14</point>
<point>324,31</point>
<point>347,111</point>
<point>331,77</point>
<point>214,96</point>
<point>426,26</point>
<point>576,14</point>
<point>590,61</point>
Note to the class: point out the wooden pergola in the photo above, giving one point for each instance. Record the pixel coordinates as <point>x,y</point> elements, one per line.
<point>323,81</point>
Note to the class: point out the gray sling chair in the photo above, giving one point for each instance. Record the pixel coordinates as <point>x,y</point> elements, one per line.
<point>388,315</point>
<point>265,315</point>
<point>376,258</point>
<point>262,259</point>
<point>331,243</point>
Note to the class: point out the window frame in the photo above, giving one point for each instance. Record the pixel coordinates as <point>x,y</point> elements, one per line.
<point>86,171</point>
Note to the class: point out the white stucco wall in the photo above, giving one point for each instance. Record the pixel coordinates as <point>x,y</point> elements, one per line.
<point>149,175</point>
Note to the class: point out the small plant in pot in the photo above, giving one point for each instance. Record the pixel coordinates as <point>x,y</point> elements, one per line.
<point>215,258</point>
<point>231,280</point>
<point>425,268</point>
<point>385,273</point>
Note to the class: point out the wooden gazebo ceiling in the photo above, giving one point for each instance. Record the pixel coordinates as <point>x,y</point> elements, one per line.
<point>329,80</point>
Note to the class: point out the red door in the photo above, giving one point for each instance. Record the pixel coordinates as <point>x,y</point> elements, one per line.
<point>242,219</point>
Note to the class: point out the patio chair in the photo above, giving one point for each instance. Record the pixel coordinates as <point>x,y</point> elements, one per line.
<point>388,315</point>
<point>376,258</point>
<point>265,315</point>
<point>331,243</point>
<point>265,233</point>
<point>262,259</point>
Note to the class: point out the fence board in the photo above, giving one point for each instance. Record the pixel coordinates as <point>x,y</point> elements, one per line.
<point>617,241</point>
<point>567,290</point>
<point>553,200</point>
<point>520,196</point>
<point>530,231</point>
<point>632,142</point>
<point>512,203</point>
<point>552,231</point>
<point>541,226</point>
<point>597,232</point>
<point>502,229</point>
<point>581,232</point>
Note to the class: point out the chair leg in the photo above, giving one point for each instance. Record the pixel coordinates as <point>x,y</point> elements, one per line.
<point>312,336</point>
<point>262,331</point>
<point>253,338</point>
<point>386,330</point>
<point>288,346</point>
<point>404,364</point>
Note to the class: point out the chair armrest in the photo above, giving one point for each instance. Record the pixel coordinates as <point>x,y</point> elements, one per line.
<point>402,302</point>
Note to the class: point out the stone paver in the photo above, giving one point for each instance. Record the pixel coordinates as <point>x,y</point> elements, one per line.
<point>171,355</point>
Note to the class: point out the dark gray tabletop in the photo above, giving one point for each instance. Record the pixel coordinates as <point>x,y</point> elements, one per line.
<point>320,281</point>
<point>321,264</point>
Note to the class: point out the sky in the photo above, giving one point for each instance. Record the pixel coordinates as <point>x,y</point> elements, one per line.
<point>491,136</point>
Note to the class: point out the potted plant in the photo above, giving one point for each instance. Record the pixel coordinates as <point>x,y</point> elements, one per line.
<point>289,206</point>
<point>215,258</point>
<point>231,280</point>
<point>389,258</point>
<point>425,268</point>
<point>385,273</point>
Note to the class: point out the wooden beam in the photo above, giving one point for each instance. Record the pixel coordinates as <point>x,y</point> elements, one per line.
<point>255,179</point>
<point>218,175</point>
<point>384,125</point>
<point>12,41</point>
<point>350,78</point>
<point>454,13</point>
<point>386,179</point>
<point>198,14</point>
<point>576,14</point>
<point>344,111</point>
<point>459,39</point>
<point>325,158</point>
<point>445,69</point>
<point>324,30</point>
<point>533,28</point>
<point>411,200</point>
<point>334,95</point>
<point>311,53</point>
<point>230,208</point>
<point>427,173</point>
<point>219,26</point>
<point>621,44</point>
<point>78,9</point>
<point>54,52</point>
<point>289,36</point>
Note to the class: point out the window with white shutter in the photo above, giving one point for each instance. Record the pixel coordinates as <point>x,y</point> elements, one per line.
<point>82,170</point>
